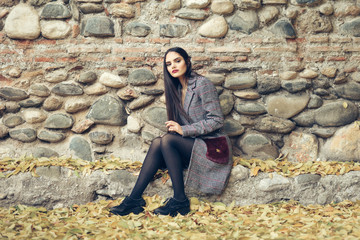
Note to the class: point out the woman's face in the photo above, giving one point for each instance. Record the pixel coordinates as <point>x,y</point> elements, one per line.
<point>175,64</point>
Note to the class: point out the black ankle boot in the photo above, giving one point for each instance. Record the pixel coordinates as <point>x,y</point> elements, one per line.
<point>173,207</point>
<point>129,205</point>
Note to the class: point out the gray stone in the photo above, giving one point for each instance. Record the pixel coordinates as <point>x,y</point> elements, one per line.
<point>87,77</point>
<point>249,108</point>
<point>13,121</point>
<point>305,2</point>
<point>25,16</point>
<point>55,11</point>
<point>336,114</point>
<point>81,148</point>
<point>256,145</point>
<point>286,106</point>
<point>274,125</point>
<point>214,27</point>
<point>34,115</point>
<point>82,126</point>
<point>101,137</point>
<point>15,72</point>
<point>152,92</point>
<point>216,79</point>
<point>309,74</point>
<point>288,75</point>
<point>191,14</point>
<point>349,91</point>
<point>52,103</point>
<point>8,3</point>
<point>138,29</point>
<point>50,172</point>
<point>305,119</point>
<point>242,81</point>
<point>76,105</point>
<point>173,4</point>
<point>4,131</point>
<point>31,102</point>
<point>59,121</point>
<point>141,77</point>
<point>122,10</point>
<point>96,89</point>
<point>40,152</point>
<point>268,85</point>
<point>323,132</point>
<point>307,179</point>
<point>268,13</point>
<point>87,8</point>
<point>238,173</point>
<point>276,183</point>
<point>247,94</point>
<point>226,103</point>
<point>244,21</point>
<point>38,3</point>
<point>13,94</point>
<point>300,147</point>
<point>141,102</point>
<point>133,124</point>
<point>39,90</point>
<point>55,29</point>
<point>173,30</point>
<point>248,4</point>
<point>112,80</point>
<point>67,89</point>
<point>51,137</point>
<point>315,102</point>
<point>12,107</point>
<point>233,128</point>
<point>294,86</point>
<point>98,27</point>
<point>352,27</point>
<point>283,28</point>
<point>156,116</point>
<point>56,76</point>
<point>23,134</point>
<point>109,111</point>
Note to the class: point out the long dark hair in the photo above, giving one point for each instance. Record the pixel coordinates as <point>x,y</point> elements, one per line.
<point>172,96</point>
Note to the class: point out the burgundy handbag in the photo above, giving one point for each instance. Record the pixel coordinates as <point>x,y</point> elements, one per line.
<point>217,150</point>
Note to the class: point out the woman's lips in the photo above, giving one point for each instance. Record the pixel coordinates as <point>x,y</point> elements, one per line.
<point>175,71</point>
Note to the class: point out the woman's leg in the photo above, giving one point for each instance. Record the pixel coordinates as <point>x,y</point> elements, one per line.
<point>176,151</point>
<point>152,162</point>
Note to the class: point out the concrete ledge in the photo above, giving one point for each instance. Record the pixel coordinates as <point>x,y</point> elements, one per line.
<point>62,187</point>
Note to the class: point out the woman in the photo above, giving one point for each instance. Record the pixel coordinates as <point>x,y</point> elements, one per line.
<point>194,140</point>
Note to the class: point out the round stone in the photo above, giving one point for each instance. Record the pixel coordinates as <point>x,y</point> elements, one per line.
<point>196,3</point>
<point>52,103</point>
<point>31,102</point>
<point>242,81</point>
<point>81,148</point>
<point>67,89</point>
<point>23,135</point>
<point>247,94</point>
<point>39,90</point>
<point>222,7</point>
<point>59,121</point>
<point>122,10</point>
<point>56,76</point>
<point>274,125</point>
<point>141,102</point>
<point>12,121</point>
<point>112,80</point>
<point>233,128</point>
<point>76,105</point>
<point>55,29</point>
<point>257,145</point>
<point>336,114</point>
<point>55,11</point>
<point>137,29</point>
<point>96,89</point>
<point>51,137</point>
<point>34,116</point>
<point>244,21</point>
<point>215,27</point>
<point>156,116</point>
<point>141,77</point>
<point>13,94</point>
<point>87,77</point>
<point>101,138</point>
<point>249,108</point>
<point>286,106</point>
<point>226,103</point>
<point>133,124</point>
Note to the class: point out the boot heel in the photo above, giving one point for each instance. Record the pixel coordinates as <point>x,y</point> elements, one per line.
<point>137,210</point>
<point>182,211</point>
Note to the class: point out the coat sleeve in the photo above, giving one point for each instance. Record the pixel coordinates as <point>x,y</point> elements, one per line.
<point>209,104</point>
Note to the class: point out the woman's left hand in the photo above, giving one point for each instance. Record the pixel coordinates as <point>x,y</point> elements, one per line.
<point>174,127</point>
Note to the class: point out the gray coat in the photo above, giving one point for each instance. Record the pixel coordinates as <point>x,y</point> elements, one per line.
<point>203,107</point>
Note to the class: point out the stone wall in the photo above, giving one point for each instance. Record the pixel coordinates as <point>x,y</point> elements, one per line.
<point>84,77</point>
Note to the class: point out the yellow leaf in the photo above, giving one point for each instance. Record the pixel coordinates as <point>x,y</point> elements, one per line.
<point>345,105</point>
<point>254,171</point>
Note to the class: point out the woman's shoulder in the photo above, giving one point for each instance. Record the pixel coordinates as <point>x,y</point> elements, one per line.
<point>200,80</point>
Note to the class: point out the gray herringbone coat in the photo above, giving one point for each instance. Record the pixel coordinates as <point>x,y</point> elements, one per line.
<point>203,107</point>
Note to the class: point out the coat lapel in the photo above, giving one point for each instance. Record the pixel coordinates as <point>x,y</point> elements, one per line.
<point>189,93</point>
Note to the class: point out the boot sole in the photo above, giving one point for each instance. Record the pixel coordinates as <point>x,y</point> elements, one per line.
<point>182,211</point>
<point>136,210</point>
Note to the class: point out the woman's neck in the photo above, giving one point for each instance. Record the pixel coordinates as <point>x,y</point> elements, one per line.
<point>183,81</point>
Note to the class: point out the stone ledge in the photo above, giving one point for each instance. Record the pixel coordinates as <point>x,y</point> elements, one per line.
<point>62,187</point>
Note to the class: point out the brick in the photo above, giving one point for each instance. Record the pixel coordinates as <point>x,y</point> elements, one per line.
<point>296,40</point>
<point>45,42</point>
<point>88,49</point>
<point>341,40</point>
<point>336,58</point>
<point>118,40</point>
<point>275,49</point>
<point>205,40</point>
<point>318,39</point>
<point>351,49</point>
<point>135,59</point>
<point>114,59</point>
<point>181,40</point>
<point>44,59</point>
<point>225,59</point>
<point>75,31</point>
<point>355,58</point>
<point>89,59</point>
<point>134,40</point>
<point>159,40</point>
<point>314,59</point>
<point>135,50</point>
<point>233,49</point>
<point>251,40</point>
<point>324,49</point>
<point>23,43</point>
<point>200,58</point>
<point>7,51</point>
<point>356,39</point>
<point>67,59</point>
<point>154,60</point>
<point>195,49</point>
<point>241,58</point>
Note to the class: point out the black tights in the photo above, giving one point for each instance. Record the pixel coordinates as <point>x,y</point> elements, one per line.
<point>171,151</point>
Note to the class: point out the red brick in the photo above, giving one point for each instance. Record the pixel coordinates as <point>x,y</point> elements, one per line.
<point>296,40</point>
<point>181,40</point>
<point>200,58</point>
<point>318,39</point>
<point>275,49</point>
<point>7,51</point>
<point>191,50</point>
<point>118,40</point>
<point>251,40</point>
<point>225,59</point>
<point>356,39</point>
<point>351,49</point>
<point>159,40</point>
<point>233,49</point>
<point>75,30</point>
<point>67,59</point>
<point>135,59</point>
<point>89,59</point>
<point>336,58</point>
<point>135,50</point>
<point>205,40</point>
<point>44,59</point>
<point>241,58</point>
<point>45,42</point>
<point>324,49</point>
<point>23,43</point>
<point>134,40</point>
<point>341,40</point>
<point>154,60</point>
<point>314,59</point>
<point>114,59</point>
<point>88,49</point>
<point>274,40</point>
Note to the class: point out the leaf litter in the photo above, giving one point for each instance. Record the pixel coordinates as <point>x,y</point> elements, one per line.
<point>281,220</point>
